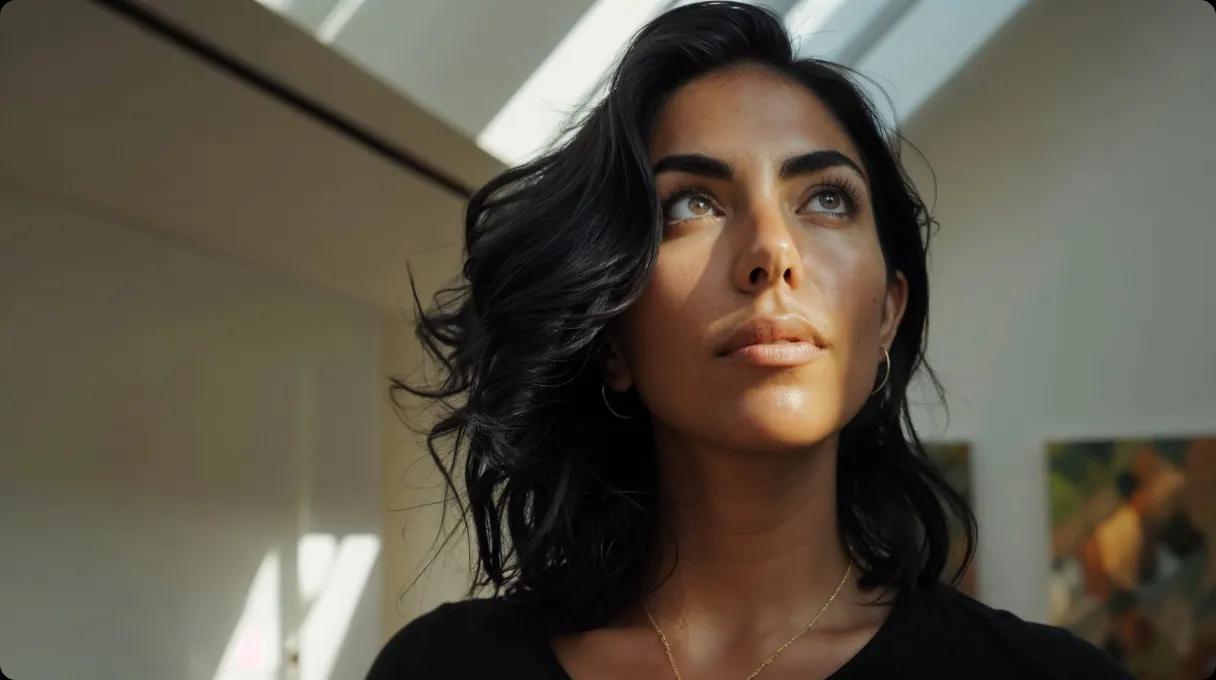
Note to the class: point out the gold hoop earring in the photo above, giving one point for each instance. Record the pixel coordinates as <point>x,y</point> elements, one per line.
<point>885,375</point>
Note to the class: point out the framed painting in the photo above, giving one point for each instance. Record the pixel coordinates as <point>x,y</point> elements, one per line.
<point>1133,549</point>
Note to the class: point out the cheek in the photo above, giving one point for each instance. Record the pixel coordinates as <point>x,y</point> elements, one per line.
<point>665,319</point>
<point>852,282</point>
<point>666,340</point>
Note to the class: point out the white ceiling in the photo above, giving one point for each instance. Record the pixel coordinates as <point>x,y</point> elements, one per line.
<point>460,59</point>
<point>464,60</point>
<point>106,117</point>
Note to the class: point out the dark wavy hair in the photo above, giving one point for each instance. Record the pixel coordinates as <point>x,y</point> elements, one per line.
<point>562,494</point>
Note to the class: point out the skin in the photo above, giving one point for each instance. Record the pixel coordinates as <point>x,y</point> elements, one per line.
<point>747,454</point>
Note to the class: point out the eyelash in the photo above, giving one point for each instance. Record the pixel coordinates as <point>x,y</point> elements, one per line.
<point>850,194</point>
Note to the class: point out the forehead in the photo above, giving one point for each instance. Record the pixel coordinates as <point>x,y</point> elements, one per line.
<point>746,113</point>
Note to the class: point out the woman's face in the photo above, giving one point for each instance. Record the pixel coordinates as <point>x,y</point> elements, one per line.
<point>743,238</point>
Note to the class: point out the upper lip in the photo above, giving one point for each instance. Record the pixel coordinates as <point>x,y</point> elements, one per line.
<point>765,329</point>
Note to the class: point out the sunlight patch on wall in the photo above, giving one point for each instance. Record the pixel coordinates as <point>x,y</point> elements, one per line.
<point>330,613</point>
<point>254,651</point>
<point>330,577</point>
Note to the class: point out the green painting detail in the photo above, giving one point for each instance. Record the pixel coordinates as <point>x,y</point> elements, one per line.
<point>953,460</point>
<point>1133,540</point>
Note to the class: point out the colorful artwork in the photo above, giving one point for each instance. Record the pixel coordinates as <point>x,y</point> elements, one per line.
<point>1134,551</point>
<point>953,459</point>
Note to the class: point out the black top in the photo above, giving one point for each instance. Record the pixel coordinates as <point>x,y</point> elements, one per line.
<point>934,632</point>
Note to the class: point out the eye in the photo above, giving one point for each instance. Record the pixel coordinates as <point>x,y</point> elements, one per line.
<point>687,205</point>
<point>836,198</point>
<point>832,201</point>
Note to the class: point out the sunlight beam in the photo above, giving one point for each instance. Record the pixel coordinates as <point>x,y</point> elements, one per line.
<point>253,651</point>
<point>324,629</point>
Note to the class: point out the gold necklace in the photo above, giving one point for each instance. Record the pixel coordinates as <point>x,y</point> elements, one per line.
<point>671,659</point>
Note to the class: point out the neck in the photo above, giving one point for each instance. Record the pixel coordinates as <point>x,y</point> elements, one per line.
<point>759,551</point>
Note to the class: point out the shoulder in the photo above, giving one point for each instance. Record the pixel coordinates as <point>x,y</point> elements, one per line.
<point>448,640</point>
<point>979,636</point>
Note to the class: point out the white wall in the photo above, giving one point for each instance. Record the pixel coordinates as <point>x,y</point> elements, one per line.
<point>413,494</point>
<point>166,421</point>
<point>1071,289</point>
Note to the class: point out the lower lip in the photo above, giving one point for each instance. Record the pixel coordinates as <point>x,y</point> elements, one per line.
<point>776,353</point>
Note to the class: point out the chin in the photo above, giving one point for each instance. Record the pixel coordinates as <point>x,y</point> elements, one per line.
<point>785,403</point>
<point>768,425</point>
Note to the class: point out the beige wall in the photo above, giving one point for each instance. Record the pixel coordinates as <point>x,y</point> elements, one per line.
<point>167,420</point>
<point>413,489</point>
<point>1071,279</point>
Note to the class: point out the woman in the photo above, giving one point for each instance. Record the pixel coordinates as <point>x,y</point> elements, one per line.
<point>685,343</point>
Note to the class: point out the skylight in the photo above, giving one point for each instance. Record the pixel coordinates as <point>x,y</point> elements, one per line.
<point>566,79</point>
<point>575,72</point>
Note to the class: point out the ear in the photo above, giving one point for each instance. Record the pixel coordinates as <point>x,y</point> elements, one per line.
<point>894,304</point>
<point>616,365</point>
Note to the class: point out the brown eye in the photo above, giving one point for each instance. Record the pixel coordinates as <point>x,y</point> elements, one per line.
<point>688,207</point>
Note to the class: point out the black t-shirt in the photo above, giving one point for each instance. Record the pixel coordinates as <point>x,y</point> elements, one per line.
<point>934,632</point>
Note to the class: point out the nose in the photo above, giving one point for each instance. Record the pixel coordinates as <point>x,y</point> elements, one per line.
<point>770,254</point>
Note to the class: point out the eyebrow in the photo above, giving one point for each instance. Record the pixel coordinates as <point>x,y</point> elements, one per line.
<point>802,164</point>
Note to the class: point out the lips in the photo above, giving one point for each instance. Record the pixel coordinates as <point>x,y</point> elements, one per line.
<point>770,329</point>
